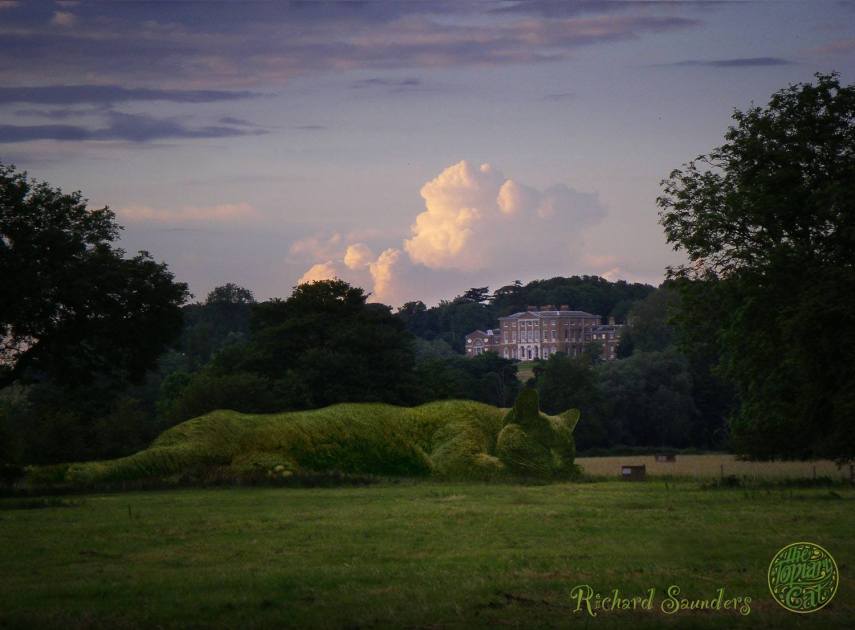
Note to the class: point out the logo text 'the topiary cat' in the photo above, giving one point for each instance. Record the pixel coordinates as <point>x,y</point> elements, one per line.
<point>803,577</point>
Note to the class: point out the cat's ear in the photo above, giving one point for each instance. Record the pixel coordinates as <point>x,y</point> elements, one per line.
<point>570,418</point>
<point>527,407</point>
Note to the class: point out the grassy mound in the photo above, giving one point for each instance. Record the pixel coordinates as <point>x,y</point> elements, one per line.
<point>450,439</point>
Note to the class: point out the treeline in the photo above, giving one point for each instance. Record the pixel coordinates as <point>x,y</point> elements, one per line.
<point>660,393</point>
<point>326,344</point>
<point>100,352</point>
<point>450,321</point>
<point>323,345</point>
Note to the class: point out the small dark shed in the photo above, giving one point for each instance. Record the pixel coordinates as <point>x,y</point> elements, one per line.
<point>633,473</point>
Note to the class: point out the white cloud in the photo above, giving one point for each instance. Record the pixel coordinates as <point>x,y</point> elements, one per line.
<point>321,271</point>
<point>477,226</point>
<point>221,213</point>
<point>513,197</point>
<point>612,274</point>
<point>457,201</point>
<point>476,219</point>
<point>358,256</point>
<point>383,274</point>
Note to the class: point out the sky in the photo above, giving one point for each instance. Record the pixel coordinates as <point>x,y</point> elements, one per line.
<point>414,149</point>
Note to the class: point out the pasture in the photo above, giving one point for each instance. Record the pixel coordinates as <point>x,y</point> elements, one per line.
<point>424,554</point>
<point>705,467</point>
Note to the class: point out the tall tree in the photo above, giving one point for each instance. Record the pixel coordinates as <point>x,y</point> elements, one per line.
<point>230,293</point>
<point>649,326</point>
<point>648,399</point>
<point>767,221</point>
<point>221,320</point>
<point>479,295</point>
<point>325,345</point>
<point>72,306</point>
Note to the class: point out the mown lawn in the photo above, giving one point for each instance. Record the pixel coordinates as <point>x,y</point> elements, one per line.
<point>411,555</point>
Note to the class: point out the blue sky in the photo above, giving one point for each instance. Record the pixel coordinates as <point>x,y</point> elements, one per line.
<point>416,149</point>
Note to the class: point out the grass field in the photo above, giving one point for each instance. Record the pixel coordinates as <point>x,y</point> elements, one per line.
<point>525,370</point>
<point>408,554</point>
<point>714,466</point>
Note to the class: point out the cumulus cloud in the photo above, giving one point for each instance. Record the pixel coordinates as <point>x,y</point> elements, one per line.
<point>612,274</point>
<point>320,271</point>
<point>383,274</point>
<point>456,200</point>
<point>358,256</point>
<point>476,224</point>
<point>222,213</point>
<point>513,197</point>
<point>474,217</point>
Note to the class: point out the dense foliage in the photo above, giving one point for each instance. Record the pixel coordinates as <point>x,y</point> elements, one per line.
<point>322,345</point>
<point>73,308</point>
<point>646,400</point>
<point>221,320</point>
<point>487,378</point>
<point>81,327</point>
<point>768,223</point>
<point>477,309</point>
<point>451,439</point>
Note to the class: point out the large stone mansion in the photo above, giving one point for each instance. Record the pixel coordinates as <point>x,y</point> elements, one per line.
<point>540,332</point>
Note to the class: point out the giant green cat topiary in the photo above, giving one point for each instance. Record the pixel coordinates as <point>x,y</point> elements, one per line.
<point>450,439</point>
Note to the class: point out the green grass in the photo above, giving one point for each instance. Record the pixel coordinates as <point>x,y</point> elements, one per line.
<point>424,554</point>
<point>525,370</point>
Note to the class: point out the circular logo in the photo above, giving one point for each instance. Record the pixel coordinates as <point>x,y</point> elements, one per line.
<point>803,577</point>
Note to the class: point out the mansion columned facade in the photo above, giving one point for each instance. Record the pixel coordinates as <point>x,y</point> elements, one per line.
<point>540,332</point>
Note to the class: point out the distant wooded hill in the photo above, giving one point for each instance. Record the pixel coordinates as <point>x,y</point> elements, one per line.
<point>451,320</point>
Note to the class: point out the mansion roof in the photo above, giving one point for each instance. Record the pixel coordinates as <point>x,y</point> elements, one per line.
<point>550,314</point>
